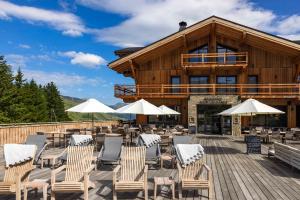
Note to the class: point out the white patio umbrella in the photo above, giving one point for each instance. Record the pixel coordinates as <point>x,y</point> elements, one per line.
<point>91,106</point>
<point>167,111</point>
<point>250,107</point>
<point>141,107</point>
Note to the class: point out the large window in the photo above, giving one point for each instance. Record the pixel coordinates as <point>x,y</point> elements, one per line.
<point>175,81</point>
<point>229,58</point>
<point>199,50</point>
<point>252,79</point>
<point>226,80</point>
<point>196,80</point>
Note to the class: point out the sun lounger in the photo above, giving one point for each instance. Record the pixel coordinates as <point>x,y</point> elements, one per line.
<point>78,167</point>
<point>111,150</point>
<point>131,174</point>
<point>16,175</point>
<point>41,143</point>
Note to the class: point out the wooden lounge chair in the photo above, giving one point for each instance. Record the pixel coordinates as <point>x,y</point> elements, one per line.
<point>131,174</point>
<point>189,178</point>
<point>78,167</point>
<point>14,178</point>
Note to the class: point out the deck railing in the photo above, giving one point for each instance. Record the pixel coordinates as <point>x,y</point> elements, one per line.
<point>184,90</point>
<point>17,133</point>
<point>214,59</point>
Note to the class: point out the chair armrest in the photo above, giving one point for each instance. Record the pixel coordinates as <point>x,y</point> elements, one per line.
<point>100,153</point>
<point>145,175</point>
<point>115,171</point>
<point>146,169</point>
<point>89,169</point>
<point>55,172</point>
<point>209,172</point>
<point>206,167</point>
<point>179,171</point>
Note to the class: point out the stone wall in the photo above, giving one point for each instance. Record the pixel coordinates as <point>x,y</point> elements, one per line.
<point>195,100</point>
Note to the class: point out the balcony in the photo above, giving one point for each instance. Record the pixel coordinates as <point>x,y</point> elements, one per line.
<point>184,90</point>
<point>196,61</point>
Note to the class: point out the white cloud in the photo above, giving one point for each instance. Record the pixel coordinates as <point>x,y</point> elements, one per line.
<point>62,80</point>
<point>16,60</point>
<point>67,23</point>
<point>290,25</point>
<point>24,46</point>
<point>85,59</point>
<point>149,20</point>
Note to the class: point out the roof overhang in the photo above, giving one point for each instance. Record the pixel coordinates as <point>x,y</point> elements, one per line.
<point>219,21</point>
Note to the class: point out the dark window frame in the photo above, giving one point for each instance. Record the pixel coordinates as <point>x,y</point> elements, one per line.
<point>199,50</point>
<point>198,90</point>
<point>175,90</point>
<point>226,90</point>
<point>231,59</point>
<point>252,90</point>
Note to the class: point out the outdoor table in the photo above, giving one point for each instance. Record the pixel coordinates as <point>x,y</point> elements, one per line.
<point>50,158</point>
<point>283,139</point>
<point>176,133</point>
<point>37,184</point>
<point>113,134</point>
<point>60,133</point>
<point>164,181</point>
<point>166,157</point>
<point>185,130</point>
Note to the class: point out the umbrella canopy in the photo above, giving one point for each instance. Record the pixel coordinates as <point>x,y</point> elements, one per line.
<point>251,107</point>
<point>91,106</point>
<point>141,107</point>
<point>168,111</point>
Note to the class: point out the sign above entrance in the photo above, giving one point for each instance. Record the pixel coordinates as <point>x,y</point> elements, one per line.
<point>218,100</point>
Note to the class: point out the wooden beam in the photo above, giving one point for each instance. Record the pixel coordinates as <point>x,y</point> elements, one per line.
<point>244,37</point>
<point>184,43</point>
<point>212,43</point>
<point>132,69</point>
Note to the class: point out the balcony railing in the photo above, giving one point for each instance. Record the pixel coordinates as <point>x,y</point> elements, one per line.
<point>184,90</point>
<point>239,59</point>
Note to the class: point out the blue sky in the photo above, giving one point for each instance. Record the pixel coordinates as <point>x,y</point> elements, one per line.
<point>71,42</point>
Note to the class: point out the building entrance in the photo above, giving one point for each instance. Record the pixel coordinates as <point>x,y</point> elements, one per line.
<point>209,122</point>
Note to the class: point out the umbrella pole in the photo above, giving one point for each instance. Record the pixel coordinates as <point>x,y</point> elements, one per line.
<point>251,121</point>
<point>92,123</point>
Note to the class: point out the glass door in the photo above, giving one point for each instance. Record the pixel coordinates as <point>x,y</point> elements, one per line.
<point>209,122</point>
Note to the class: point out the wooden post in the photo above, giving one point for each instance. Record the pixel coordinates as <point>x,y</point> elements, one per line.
<point>137,90</point>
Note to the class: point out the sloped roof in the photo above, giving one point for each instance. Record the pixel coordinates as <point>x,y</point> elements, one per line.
<point>212,19</point>
<point>127,51</point>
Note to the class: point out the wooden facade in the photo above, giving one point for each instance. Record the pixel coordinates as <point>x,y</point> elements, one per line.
<point>274,61</point>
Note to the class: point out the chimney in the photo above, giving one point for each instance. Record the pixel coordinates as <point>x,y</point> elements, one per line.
<point>182,25</point>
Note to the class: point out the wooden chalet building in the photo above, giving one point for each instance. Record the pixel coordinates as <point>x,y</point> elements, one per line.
<point>210,66</point>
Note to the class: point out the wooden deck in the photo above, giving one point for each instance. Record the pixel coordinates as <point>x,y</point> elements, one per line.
<point>236,175</point>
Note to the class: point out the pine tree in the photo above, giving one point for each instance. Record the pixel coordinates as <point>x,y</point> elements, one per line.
<point>35,103</point>
<point>22,101</point>
<point>56,108</point>
<point>6,91</point>
<point>19,79</point>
